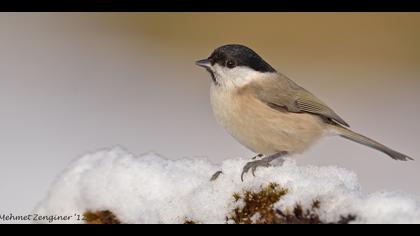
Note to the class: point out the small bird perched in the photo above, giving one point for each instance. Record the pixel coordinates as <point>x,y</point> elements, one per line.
<point>269,113</point>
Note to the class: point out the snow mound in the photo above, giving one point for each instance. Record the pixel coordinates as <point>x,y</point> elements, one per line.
<point>152,189</point>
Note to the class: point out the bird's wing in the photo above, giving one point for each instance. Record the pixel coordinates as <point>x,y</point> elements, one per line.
<point>282,93</point>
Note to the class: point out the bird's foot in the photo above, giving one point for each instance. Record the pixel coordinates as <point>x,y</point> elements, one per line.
<point>253,165</point>
<point>264,162</point>
<point>216,175</point>
<point>257,156</point>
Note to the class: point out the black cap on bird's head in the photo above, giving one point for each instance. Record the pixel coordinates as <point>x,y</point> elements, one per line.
<point>233,55</point>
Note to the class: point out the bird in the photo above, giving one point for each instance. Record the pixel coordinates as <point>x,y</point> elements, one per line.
<point>269,113</point>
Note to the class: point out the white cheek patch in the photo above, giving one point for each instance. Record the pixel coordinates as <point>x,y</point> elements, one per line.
<point>236,77</point>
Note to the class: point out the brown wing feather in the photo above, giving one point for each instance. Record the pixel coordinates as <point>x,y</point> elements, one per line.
<point>282,93</point>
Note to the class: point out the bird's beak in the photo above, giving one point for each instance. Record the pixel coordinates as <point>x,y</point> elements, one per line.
<point>204,63</point>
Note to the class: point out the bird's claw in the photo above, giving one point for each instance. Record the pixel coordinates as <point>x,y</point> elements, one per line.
<point>216,175</point>
<point>253,165</point>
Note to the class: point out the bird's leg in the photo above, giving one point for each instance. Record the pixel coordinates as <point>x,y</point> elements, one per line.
<point>265,162</point>
<point>257,156</point>
<point>216,175</point>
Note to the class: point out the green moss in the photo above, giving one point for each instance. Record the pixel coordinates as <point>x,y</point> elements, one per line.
<point>100,217</point>
<point>258,208</point>
<point>299,215</point>
<point>190,222</point>
<point>260,203</point>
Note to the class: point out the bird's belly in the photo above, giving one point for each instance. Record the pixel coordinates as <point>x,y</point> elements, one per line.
<point>263,129</point>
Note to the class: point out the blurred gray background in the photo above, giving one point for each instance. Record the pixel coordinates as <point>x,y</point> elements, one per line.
<point>72,83</point>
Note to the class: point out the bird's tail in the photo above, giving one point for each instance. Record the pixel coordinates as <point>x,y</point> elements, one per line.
<point>358,138</point>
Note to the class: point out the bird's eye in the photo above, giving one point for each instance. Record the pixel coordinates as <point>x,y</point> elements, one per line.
<point>230,64</point>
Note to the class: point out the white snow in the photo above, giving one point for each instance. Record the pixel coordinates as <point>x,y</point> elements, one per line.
<point>152,189</point>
